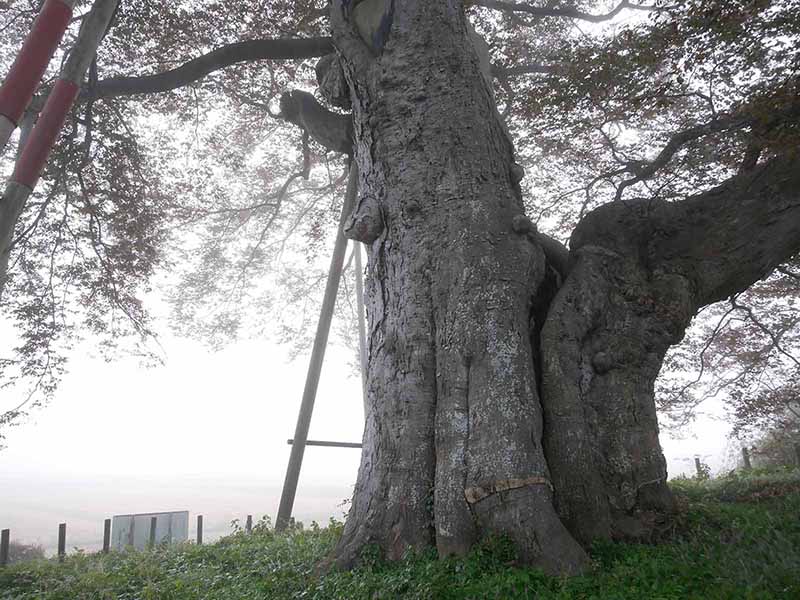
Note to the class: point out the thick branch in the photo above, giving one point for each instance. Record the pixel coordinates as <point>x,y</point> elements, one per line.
<point>251,50</point>
<point>722,240</point>
<point>555,252</point>
<point>737,233</point>
<point>554,11</point>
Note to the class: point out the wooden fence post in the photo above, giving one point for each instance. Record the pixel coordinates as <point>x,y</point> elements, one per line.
<point>5,537</point>
<point>106,536</point>
<point>199,530</point>
<point>698,467</point>
<point>62,541</point>
<point>153,521</point>
<point>746,457</point>
<point>248,526</point>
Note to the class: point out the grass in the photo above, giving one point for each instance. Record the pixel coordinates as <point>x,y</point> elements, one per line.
<point>735,537</point>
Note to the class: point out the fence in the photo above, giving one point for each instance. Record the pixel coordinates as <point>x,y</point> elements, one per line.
<point>5,537</point>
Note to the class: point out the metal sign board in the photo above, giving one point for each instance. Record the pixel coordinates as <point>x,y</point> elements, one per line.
<point>134,530</point>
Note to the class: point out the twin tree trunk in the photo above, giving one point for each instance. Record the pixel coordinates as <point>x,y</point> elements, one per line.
<point>464,437</point>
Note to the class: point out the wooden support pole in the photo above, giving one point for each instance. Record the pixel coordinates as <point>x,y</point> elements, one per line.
<point>106,536</point>
<point>62,541</point>
<point>362,328</point>
<point>25,129</point>
<point>34,155</point>
<point>315,364</point>
<point>45,132</point>
<point>31,62</point>
<point>328,444</point>
<point>746,457</point>
<point>5,543</point>
<point>153,523</point>
<point>698,467</point>
<point>248,524</point>
<point>199,530</point>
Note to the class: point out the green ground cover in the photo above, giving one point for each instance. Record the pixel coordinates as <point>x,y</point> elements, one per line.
<point>734,537</point>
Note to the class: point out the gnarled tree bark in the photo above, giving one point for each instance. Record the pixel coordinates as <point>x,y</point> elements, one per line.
<point>641,271</point>
<point>498,403</point>
<point>452,446</point>
<point>459,284</point>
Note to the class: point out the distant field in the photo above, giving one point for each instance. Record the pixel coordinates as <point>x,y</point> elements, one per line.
<point>735,537</point>
<point>33,509</point>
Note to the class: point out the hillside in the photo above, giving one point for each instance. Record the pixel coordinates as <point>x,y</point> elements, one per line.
<point>734,537</point>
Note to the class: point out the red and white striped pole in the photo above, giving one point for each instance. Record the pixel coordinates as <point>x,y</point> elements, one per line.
<point>31,63</point>
<point>37,149</point>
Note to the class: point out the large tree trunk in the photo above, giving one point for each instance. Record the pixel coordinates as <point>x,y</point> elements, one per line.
<point>603,343</point>
<point>452,448</point>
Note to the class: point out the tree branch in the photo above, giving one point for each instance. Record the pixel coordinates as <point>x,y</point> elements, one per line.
<point>530,69</point>
<point>786,271</point>
<point>553,11</point>
<point>556,253</point>
<point>681,392</point>
<point>646,170</point>
<point>743,118</point>
<point>251,50</point>
<point>722,240</point>
<point>776,341</point>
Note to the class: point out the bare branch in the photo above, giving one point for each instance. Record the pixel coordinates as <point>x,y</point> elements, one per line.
<point>530,69</point>
<point>554,11</point>
<point>776,342</point>
<point>788,272</point>
<point>721,323</point>
<point>644,171</point>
